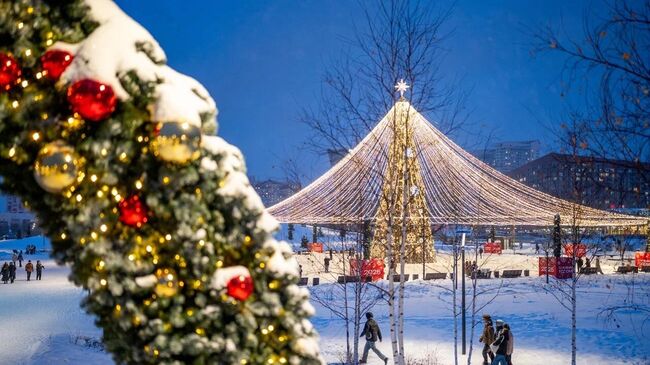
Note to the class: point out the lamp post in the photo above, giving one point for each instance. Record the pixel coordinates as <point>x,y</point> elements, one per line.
<point>462,253</point>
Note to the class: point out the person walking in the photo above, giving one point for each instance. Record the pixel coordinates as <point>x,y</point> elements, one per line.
<point>500,345</point>
<point>327,264</point>
<point>487,337</point>
<point>12,272</point>
<point>480,252</point>
<point>599,269</point>
<point>20,259</point>
<point>373,333</point>
<point>511,344</point>
<point>29,268</point>
<point>4,272</point>
<point>14,257</point>
<point>39,269</point>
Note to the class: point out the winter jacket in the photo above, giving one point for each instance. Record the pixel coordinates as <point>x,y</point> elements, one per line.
<point>511,343</point>
<point>488,334</point>
<point>5,273</point>
<point>29,267</point>
<point>502,342</point>
<point>371,331</point>
<point>39,267</point>
<point>12,271</point>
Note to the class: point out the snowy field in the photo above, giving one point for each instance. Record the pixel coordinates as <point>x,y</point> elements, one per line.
<point>43,323</point>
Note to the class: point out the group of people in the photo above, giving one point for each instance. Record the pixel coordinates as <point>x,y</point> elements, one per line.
<point>30,249</point>
<point>586,263</point>
<point>498,342</point>
<point>8,271</point>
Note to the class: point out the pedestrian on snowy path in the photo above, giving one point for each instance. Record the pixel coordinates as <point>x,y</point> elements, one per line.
<point>29,268</point>
<point>39,269</point>
<point>14,257</point>
<point>12,272</point>
<point>373,333</point>
<point>487,337</point>
<point>20,259</point>
<point>327,264</point>
<point>511,344</point>
<point>5,272</point>
<point>480,252</point>
<point>598,268</point>
<point>500,345</point>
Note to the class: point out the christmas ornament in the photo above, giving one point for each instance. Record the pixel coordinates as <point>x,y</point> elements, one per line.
<point>92,99</point>
<point>167,285</point>
<point>133,212</point>
<point>9,71</point>
<point>57,166</point>
<point>177,142</point>
<point>240,287</point>
<point>55,62</point>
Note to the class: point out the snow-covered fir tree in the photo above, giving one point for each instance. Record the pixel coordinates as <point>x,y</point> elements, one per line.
<point>117,155</point>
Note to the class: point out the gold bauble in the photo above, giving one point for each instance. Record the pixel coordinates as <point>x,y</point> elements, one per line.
<point>177,142</point>
<point>57,166</point>
<point>167,285</point>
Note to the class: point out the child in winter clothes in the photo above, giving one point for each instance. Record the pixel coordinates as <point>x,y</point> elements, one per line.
<point>29,268</point>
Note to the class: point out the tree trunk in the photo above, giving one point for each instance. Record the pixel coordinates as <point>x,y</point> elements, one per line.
<point>454,288</point>
<point>574,348</point>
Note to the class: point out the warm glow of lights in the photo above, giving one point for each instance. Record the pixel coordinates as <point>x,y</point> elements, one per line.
<point>457,188</point>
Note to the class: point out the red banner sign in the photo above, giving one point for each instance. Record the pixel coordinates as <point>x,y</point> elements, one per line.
<point>642,259</point>
<point>492,247</point>
<point>561,268</point>
<point>373,268</point>
<point>315,247</point>
<point>581,250</point>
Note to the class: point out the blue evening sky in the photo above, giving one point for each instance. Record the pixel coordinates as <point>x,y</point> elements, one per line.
<point>263,61</point>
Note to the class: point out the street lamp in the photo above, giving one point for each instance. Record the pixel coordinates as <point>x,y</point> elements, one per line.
<point>462,253</point>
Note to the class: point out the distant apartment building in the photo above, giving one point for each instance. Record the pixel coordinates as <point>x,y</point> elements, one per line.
<point>507,156</point>
<point>272,191</point>
<point>15,220</point>
<point>596,182</point>
<point>15,204</point>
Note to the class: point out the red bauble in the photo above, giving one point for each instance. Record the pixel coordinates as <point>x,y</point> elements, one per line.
<point>9,71</point>
<point>93,100</point>
<point>240,287</point>
<point>133,212</point>
<point>55,62</point>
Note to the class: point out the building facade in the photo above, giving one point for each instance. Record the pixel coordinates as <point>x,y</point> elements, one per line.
<point>507,156</point>
<point>595,182</point>
<point>15,204</point>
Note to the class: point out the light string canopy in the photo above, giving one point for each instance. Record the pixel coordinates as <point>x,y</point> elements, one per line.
<point>458,188</point>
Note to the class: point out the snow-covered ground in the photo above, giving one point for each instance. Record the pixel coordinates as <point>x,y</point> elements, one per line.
<point>43,323</point>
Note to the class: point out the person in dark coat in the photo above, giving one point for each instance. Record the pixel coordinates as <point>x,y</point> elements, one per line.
<point>500,345</point>
<point>39,269</point>
<point>372,333</point>
<point>487,337</point>
<point>12,272</point>
<point>20,259</point>
<point>511,344</point>
<point>29,268</point>
<point>5,272</point>
<point>327,264</point>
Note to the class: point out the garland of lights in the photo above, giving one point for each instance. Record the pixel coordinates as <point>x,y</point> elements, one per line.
<point>458,188</point>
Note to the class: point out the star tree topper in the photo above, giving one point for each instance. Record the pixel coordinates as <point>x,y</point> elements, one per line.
<point>401,87</point>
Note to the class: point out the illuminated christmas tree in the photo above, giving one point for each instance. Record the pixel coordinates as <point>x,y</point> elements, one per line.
<point>116,154</point>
